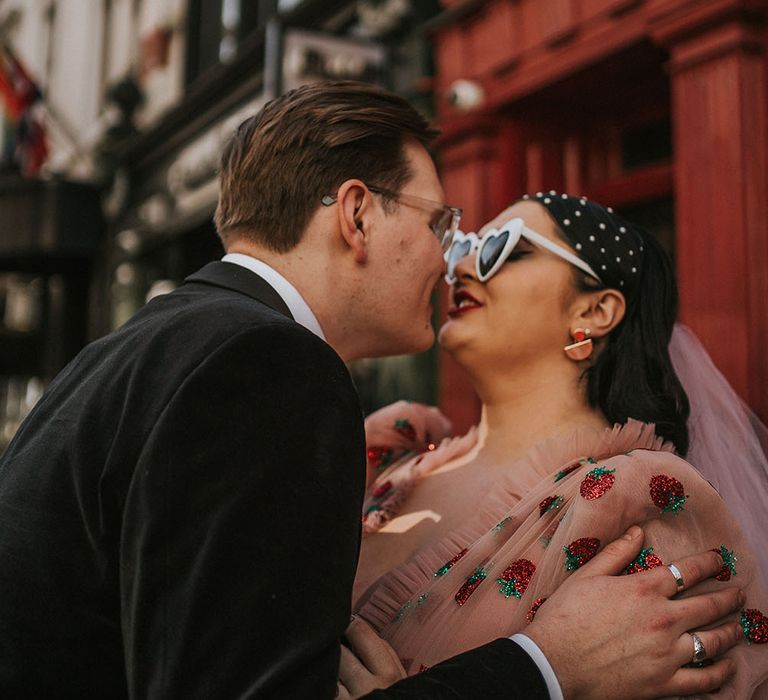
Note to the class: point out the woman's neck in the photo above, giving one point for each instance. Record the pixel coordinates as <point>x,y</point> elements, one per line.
<point>519,413</point>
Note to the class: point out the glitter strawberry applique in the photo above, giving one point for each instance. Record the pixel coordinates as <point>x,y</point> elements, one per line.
<point>445,568</point>
<point>470,585</point>
<point>380,456</point>
<point>565,472</point>
<point>755,626</point>
<point>534,609</point>
<point>645,560</point>
<point>371,509</point>
<point>404,427</point>
<point>516,577</point>
<point>580,551</point>
<point>546,538</point>
<point>596,483</point>
<point>550,503</point>
<point>499,526</point>
<point>729,563</point>
<point>667,493</point>
<point>382,490</point>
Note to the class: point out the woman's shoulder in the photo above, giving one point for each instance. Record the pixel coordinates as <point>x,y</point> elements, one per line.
<point>661,479</point>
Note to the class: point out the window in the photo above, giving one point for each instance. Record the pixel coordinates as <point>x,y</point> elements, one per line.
<point>215,30</point>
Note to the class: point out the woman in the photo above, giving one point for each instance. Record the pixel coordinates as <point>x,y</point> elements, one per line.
<point>562,320</point>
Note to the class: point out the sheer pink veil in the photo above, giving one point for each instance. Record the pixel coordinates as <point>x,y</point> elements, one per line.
<point>728,442</point>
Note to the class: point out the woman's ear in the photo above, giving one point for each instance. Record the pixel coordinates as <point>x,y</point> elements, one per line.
<point>353,200</point>
<point>602,312</point>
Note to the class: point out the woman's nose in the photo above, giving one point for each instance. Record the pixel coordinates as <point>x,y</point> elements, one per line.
<point>465,268</point>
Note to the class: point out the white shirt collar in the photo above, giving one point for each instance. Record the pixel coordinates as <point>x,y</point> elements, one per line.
<point>288,293</point>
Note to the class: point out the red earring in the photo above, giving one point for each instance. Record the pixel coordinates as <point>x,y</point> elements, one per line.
<point>582,346</point>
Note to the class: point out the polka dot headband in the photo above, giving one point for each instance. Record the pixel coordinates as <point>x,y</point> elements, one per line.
<point>611,246</point>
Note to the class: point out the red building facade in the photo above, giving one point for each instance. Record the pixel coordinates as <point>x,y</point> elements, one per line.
<point>656,107</point>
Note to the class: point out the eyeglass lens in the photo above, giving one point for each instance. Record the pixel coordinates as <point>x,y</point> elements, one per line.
<point>490,250</point>
<point>458,250</point>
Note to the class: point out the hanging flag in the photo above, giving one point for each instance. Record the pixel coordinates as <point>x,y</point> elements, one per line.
<point>25,147</point>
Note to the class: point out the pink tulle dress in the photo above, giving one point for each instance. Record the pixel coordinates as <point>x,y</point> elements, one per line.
<point>549,514</point>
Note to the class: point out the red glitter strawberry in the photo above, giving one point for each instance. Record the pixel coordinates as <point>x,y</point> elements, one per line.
<point>380,456</point>
<point>645,560</point>
<point>580,551</point>
<point>382,489</point>
<point>445,568</point>
<point>470,585</point>
<point>729,563</point>
<point>534,609</point>
<point>755,626</point>
<point>565,472</point>
<point>550,503</point>
<point>667,493</point>
<point>516,577</point>
<point>596,483</point>
<point>404,427</point>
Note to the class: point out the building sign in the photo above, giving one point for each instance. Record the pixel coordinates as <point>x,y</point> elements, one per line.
<point>191,181</point>
<point>311,56</point>
<point>193,176</point>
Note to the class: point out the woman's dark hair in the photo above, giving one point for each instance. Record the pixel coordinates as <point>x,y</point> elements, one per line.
<point>632,376</point>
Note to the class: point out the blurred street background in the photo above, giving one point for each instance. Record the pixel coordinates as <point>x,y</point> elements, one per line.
<point>113,114</point>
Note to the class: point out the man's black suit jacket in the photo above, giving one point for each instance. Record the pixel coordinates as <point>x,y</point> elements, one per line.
<point>179,515</point>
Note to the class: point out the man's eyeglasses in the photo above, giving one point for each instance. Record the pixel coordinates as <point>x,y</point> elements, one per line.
<point>444,222</point>
<point>496,246</point>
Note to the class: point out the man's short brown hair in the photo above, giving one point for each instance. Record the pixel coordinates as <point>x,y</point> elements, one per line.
<point>303,145</point>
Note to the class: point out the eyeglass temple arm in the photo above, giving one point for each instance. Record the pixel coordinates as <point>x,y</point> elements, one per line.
<point>543,242</point>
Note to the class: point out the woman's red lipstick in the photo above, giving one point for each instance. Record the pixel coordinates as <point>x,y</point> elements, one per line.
<point>463,301</point>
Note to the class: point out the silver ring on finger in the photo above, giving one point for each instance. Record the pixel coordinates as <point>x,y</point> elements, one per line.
<point>699,652</point>
<point>676,573</point>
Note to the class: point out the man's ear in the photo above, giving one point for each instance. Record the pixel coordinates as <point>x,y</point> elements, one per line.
<point>354,203</point>
<point>600,311</point>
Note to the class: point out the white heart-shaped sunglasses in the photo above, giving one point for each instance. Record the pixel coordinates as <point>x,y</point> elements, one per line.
<point>495,247</point>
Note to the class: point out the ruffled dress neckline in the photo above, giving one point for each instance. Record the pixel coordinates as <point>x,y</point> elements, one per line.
<point>548,461</point>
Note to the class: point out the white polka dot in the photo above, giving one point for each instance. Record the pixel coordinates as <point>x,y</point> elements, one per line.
<point>622,229</point>
<point>567,222</point>
<point>618,259</point>
<point>578,246</point>
<point>609,210</point>
<point>526,196</point>
<point>592,238</point>
<point>552,192</point>
<point>602,250</point>
<point>564,196</point>
<point>634,269</point>
<point>539,194</point>
<point>631,252</point>
<point>577,212</point>
<point>602,227</point>
<point>621,283</point>
<point>583,202</point>
<point>617,238</point>
<point>547,200</point>
<point>641,249</point>
<point>603,267</point>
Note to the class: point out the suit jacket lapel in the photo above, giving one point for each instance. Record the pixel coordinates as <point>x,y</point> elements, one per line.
<point>239,279</point>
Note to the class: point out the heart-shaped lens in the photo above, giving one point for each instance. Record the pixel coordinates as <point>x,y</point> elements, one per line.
<point>458,250</point>
<point>492,246</point>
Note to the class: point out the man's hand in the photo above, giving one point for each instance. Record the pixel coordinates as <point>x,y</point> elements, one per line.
<point>368,664</point>
<point>609,636</point>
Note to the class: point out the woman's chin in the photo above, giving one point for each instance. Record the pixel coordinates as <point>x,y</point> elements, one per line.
<point>452,336</point>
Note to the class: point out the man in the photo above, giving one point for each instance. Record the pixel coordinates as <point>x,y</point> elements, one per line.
<point>180,512</point>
